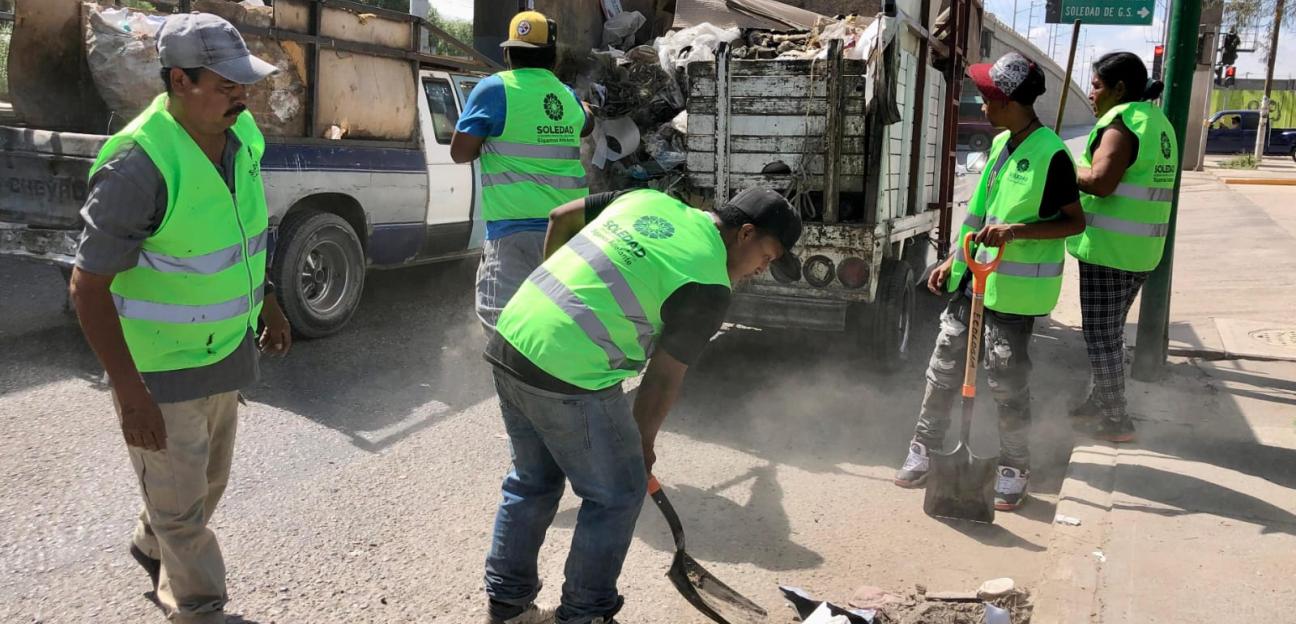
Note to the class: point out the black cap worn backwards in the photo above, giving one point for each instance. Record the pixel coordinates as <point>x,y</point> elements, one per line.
<point>769,211</point>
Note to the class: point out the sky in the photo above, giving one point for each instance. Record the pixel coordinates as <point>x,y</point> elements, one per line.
<point>1095,40</point>
<point>460,9</point>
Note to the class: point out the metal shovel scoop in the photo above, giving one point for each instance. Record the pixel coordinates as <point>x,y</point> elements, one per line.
<point>961,485</point>
<point>705,592</point>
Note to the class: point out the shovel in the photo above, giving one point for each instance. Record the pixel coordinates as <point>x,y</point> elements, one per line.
<point>705,592</point>
<point>961,485</point>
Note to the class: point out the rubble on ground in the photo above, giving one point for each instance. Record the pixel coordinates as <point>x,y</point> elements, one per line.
<point>1001,601</point>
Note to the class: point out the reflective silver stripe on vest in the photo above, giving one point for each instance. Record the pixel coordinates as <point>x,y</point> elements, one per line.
<point>526,150</point>
<point>1023,269</point>
<point>141,310</point>
<point>584,317</point>
<point>258,243</point>
<point>1143,193</point>
<point>206,264</point>
<point>598,260</point>
<point>983,255</point>
<point>1122,226</point>
<point>974,222</point>
<point>555,181</point>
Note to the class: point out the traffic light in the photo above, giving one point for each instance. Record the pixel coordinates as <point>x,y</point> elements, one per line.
<point>1230,76</point>
<point>1158,53</point>
<point>1231,42</point>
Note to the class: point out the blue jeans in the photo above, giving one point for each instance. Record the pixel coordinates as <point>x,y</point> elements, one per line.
<point>591,439</point>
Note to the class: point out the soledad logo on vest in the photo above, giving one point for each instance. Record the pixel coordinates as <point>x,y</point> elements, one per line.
<point>621,242</point>
<point>654,227</point>
<point>553,107</point>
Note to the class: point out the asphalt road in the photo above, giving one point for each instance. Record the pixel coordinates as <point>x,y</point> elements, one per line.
<point>368,466</point>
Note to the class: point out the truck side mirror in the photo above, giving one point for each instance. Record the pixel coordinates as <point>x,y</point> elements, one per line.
<point>976,162</point>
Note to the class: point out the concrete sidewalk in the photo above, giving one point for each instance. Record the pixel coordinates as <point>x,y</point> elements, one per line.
<point>1196,521</point>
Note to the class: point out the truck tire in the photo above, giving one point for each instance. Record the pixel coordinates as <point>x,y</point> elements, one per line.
<point>1293,154</point>
<point>885,326</point>
<point>319,271</point>
<point>979,142</point>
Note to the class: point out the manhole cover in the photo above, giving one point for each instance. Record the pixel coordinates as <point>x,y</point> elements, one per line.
<point>1276,337</point>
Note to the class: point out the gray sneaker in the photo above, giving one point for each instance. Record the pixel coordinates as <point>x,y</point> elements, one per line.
<point>532,615</point>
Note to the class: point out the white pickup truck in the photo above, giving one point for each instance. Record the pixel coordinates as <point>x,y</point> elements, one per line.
<point>338,207</point>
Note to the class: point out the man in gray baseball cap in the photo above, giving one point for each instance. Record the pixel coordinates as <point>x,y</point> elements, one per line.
<point>170,288</point>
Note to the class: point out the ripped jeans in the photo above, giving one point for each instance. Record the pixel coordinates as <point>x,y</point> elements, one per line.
<point>1006,355</point>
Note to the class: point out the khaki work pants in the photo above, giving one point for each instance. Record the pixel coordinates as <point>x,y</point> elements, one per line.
<point>181,486</point>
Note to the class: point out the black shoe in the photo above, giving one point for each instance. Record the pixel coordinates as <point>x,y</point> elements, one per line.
<point>1118,431</point>
<point>150,565</point>
<point>1086,411</point>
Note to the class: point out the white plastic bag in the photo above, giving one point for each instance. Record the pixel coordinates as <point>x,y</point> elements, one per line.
<point>619,32</point>
<point>701,42</point>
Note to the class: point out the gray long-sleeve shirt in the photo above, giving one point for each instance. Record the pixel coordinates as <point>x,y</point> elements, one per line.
<point>126,203</point>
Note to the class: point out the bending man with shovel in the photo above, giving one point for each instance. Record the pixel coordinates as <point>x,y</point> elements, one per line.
<point>641,289</point>
<point>1027,197</point>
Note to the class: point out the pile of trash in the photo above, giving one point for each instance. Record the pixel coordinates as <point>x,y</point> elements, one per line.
<point>639,93</point>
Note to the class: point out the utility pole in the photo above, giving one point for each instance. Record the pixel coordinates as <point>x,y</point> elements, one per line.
<point>1262,132</point>
<point>1154,313</point>
<point>1015,15</point>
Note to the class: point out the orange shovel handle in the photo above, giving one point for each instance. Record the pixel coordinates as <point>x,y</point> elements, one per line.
<point>980,271</point>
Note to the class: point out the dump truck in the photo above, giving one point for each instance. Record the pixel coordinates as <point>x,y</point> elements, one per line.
<point>357,168</point>
<point>863,147</point>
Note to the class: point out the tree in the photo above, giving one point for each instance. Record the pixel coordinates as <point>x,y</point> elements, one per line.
<point>461,30</point>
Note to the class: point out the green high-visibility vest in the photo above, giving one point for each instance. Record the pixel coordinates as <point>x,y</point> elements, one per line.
<point>1029,279</point>
<point>534,166</point>
<point>197,288</point>
<point>1127,229</point>
<point>591,313</point>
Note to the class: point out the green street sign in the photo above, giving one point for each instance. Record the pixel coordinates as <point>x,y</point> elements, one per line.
<point>1111,12</point>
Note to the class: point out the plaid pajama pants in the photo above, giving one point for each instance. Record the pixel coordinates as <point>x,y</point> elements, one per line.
<point>1106,295</point>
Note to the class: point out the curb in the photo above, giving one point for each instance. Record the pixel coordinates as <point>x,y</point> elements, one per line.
<point>1067,593</point>
<point>1260,181</point>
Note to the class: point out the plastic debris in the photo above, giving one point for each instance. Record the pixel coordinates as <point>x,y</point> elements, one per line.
<point>997,615</point>
<point>1100,556</point>
<point>1067,520</point>
<point>619,32</point>
<point>807,607</point>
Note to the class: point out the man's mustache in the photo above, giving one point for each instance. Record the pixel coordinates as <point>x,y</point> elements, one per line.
<point>236,110</point>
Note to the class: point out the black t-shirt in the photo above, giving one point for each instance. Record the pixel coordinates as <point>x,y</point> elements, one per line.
<point>690,317</point>
<point>1060,187</point>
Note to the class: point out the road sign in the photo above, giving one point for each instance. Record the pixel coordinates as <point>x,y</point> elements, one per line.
<point>1116,12</point>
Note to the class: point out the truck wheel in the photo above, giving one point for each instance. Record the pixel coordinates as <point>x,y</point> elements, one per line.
<point>1293,154</point>
<point>978,143</point>
<point>319,272</point>
<point>884,327</point>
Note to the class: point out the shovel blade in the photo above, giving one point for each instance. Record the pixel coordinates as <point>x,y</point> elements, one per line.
<point>711,597</point>
<point>961,486</point>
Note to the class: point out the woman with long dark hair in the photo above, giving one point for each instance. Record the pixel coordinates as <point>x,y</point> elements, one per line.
<point>1126,178</point>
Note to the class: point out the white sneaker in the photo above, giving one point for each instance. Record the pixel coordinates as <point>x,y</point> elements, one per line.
<point>1010,488</point>
<point>913,473</point>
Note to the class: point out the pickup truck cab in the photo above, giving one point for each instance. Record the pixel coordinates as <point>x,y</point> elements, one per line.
<point>337,207</point>
<point>1234,132</point>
